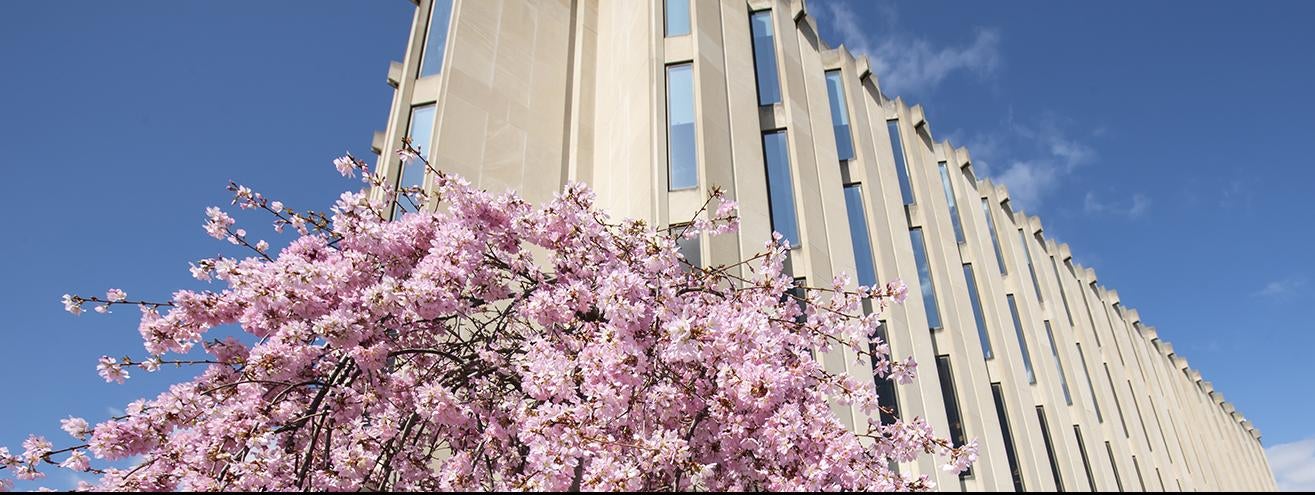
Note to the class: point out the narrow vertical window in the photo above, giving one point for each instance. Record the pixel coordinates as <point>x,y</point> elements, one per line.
<point>1086,463</point>
<point>764,57</point>
<point>974,298</point>
<point>1155,414</point>
<point>1118,406</point>
<point>431,56</point>
<point>1137,467</point>
<point>682,157</point>
<point>690,248</point>
<point>995,241</point>
<point>1011,452</point>
<point>949,199</point>
<point>1136,406</point>
<point>1027,253</point>
<point>924,278</point>
<point>421,132</point>
<point>1109,451</point>
<point>1060,283</point>
<point>1059,364</point>
<point>886,398</point>
<point>901,169</point>
<point>1050,448</point>
<point>1091,388</point>
<point>835,91</point>
<point>858,234</point>
<point>1022,340</point>
<point>780,186</point>
<point>676,13</point>
<point>951,399</point>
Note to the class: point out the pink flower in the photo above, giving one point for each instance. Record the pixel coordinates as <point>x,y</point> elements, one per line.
<point>111,370</point>
<point>277,206</point>
<point>72,304</point>
<point>115,295</point>
<point>346,166</point>
<point>75,427</point>
<point>76,461</point>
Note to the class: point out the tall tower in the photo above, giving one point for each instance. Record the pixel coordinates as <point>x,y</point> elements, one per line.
<point>655,102</point>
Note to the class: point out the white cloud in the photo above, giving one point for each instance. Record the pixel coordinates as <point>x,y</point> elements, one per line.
<point>1038,161</point>
<point>1282,289</point>
<point>1293,464</point>
<point>903,63</point>
<point>1132,208</point>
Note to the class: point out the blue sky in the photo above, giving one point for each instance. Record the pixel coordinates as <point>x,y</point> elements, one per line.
<point>1166,145</point>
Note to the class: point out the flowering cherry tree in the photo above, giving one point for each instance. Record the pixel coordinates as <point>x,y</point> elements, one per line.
<point>478,342</point>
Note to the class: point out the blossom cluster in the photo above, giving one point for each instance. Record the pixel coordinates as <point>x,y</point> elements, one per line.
<point>489,344</point>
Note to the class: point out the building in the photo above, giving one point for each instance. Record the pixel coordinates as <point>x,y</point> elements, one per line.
<point>653,103</point>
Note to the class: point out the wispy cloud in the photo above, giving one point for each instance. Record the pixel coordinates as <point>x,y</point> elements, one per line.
<point>1282,289</point>
<point>1293,464</point>
<point>1134,207</point>
<point>906,64</point>
<point>1031,160</point>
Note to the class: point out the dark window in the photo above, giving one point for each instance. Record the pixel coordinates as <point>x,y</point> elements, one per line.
<point>951,399</point>
<point>1086,463</point>
<point>1059,364</point>
<point>1091,388</point>
<point>1117,403</point>
<point>1109,451</point>
<point>1022,340</point>
<point>995,240</point>
<point>1064,297</point>
<point>1010,450</point>
<point>1027,254</point>
<point>974,298</point>
<point>1137,467</point>
<point>1050,448</point>
<point>886,396</point>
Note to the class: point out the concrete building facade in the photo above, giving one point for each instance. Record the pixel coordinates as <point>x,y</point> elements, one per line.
<point>655,102</point>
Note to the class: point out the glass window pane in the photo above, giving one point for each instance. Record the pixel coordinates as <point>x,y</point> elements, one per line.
<point>949,198</point>
<point>1059,282</point>
<point>677,17</point>
<point>1109,451</point>
<point>682,156</point>
<point>1086,464</point>
<point>1010,453</point>
<point>835,91</point>
<point>1082,359</point>
<point>1022,340</point>
<point>690,249</point>
<point>764,57</point>
<point>901,170</point>
<point>1050,447</point>
<point>421,131</point>
<point>431,58</point>
<point>1027,253</point>
<point>951,400</point>
<point>975,299</point>
<point>924,278</point>
<point>780,186</point>
<point>1059,364</point>
<point>858,233</point>
<point>886,397</point>
<point>995,241</point>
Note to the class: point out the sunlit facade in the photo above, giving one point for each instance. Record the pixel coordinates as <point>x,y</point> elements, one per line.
<point>654,103</point>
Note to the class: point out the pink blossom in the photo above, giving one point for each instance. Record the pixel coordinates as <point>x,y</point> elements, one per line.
<point>111,370</point>
<point>346,166</point>
<point>72,304</point>
<point>75,427</point>
<point>77,461</point>
<point>115,295</point>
